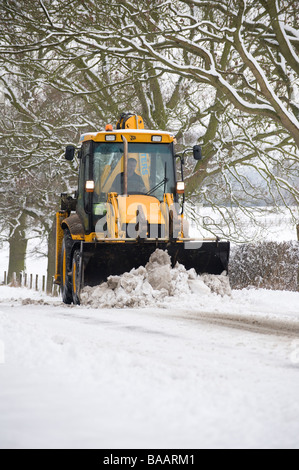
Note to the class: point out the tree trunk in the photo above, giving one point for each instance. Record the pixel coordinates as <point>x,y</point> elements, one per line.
<point>17,248</point>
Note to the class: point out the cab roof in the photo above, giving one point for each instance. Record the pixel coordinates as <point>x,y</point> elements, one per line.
<point>132,135</point>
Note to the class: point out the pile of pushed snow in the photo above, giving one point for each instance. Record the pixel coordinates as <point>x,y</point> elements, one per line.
<point>153,284</point>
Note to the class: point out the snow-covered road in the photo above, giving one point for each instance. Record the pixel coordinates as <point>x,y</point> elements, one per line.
<point>204,372</point>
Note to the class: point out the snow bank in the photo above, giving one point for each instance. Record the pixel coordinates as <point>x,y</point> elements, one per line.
<point>153,285</point>
<point>25,296</point>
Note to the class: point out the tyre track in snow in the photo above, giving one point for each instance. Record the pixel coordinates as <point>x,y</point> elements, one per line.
<point>248,323</point>
<point>261,323</point>
<point>254,323</point>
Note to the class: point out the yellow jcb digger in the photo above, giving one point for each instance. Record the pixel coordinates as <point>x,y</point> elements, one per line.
<point>128,203</point>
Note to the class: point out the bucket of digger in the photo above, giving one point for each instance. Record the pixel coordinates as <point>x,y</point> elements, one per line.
<point>101,260</point>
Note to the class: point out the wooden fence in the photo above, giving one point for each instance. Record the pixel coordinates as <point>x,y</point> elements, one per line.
<point>31,281</point>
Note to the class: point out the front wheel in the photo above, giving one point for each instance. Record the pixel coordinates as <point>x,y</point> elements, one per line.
<point>76,278</point>
<point>66,258</point>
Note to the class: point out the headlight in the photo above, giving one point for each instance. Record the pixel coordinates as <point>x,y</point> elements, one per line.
<point>89,186</point>
<point>180,187</point>
<point>156,138</point>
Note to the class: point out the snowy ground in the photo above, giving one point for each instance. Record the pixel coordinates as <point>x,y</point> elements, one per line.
<point>192,371</point>
<point>204,371</point>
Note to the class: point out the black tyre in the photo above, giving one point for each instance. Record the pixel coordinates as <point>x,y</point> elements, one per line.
<point>76,278</point>
<point>66,268</point>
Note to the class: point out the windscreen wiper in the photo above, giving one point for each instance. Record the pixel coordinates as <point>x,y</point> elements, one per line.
<point>164,181</point>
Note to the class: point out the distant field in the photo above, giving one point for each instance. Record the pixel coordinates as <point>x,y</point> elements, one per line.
<point>255,225</point>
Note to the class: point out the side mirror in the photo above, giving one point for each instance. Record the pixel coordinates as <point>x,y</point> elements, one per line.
<point>197,154</point>
<point>70,152</point>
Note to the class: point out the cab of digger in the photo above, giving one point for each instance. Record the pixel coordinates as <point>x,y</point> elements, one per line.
<point>150,170</point>
<point>135,182</point>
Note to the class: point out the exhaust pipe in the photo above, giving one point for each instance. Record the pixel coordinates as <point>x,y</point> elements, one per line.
<point>126,152</point>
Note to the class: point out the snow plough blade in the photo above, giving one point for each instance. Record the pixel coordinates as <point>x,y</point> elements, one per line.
<point>102,260</point>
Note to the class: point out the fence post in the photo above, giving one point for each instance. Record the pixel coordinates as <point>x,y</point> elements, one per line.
<point>26,280</point>
<point>56,291</point>
<point>55,288</point>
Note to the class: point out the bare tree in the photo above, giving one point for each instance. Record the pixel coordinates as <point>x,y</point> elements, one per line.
<point>223,73</point>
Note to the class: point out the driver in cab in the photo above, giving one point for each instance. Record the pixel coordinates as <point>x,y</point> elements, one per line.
<point>135,182</point>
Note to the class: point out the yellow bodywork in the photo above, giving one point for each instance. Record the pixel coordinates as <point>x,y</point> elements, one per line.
<point>133,122</point>
<point>125,210</point>
<point>129,205</point>
<point>60,216</point>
